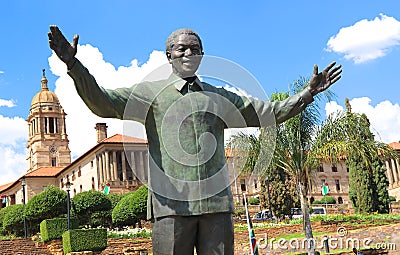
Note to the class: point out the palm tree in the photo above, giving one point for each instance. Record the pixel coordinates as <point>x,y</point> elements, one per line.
<point>294,139</point>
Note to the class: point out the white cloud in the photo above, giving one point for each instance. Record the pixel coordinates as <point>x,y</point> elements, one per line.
<point>239,91</point>
<point>384,117</point>
<point>7,103</point>
<point>13,163</point>
<point>366,39</point>
<point>80,120</point>
<point>1,72</point>
<point>12,130</point>
<point>13,135</point>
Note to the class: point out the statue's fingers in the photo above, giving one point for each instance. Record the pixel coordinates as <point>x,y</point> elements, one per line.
<point>330,66</point>
<point>75,41</point>
<point>335,79</point>
<point>335,74</point>
<point>315,70</point>
<point>335,69</point>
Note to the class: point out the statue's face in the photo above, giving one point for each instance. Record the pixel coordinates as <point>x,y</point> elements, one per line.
<point>185,56</point>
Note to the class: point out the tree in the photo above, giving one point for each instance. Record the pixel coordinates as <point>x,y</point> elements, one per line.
<point>88,202</point>
<point>13,221</point>
<point>294,139</point>
<point>104,218</point>
<point>48,204</point>
<point>348,135</point>
<point>131,208</point>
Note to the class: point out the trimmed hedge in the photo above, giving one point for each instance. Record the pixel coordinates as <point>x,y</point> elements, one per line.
<point>51,229</point>
<point>84,240</point>
<point>3,213</point>
<point>254,201</point>
<point>13,221</point>
<point>325,200</point>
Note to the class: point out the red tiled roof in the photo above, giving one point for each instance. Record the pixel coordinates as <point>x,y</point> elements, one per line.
<point>395,145</point>
<point>5,186</point>
<point>118,138</point>
<point>47,171</point>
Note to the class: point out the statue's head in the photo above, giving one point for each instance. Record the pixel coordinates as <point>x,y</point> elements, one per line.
<point>184,51</point>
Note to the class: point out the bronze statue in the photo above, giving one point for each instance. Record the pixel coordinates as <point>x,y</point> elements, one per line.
<point>185,214</point>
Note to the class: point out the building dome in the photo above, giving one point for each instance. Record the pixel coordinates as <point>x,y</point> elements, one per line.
<point>45,95</point>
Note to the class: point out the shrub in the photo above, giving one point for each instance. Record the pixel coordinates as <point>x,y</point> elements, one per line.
<point>254,201</point>
<point>13,221</point>
<point>101,218</point>
<point>131,208</point>
<point>3,213</point>
<point>326,200</point>
<point>84,240</point>
<point>88,202</point>
<point>114,199</point>
<point>51,229</point>
<point>48,204</point>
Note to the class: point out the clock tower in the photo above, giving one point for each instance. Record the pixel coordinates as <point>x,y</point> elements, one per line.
<point>47,136</point>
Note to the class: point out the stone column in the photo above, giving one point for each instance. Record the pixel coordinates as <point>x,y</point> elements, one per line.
<point>103,166</point>
<point>389,173</point>
<point>398,172</point>
<point>395,173</point>
<point>116,177</point>
<point>99,169</point>
<point>141,162</point>
<point>123,161</point>
<point>108,172</point>
<point>132,163</point>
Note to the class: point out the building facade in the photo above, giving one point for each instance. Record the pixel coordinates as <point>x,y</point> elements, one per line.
<point>119,161</point>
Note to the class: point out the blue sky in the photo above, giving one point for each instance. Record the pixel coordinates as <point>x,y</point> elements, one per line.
<point>276,41</point>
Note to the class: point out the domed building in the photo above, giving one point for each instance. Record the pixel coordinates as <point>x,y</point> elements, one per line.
<point>118,162</point>
<point>47,136</point>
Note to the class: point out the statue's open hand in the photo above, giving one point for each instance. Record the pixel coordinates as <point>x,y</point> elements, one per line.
<point>323,80</point>
<point>65,50</point>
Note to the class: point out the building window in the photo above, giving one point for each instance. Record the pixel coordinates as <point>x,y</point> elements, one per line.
<point>80,188</point>
<point>348,170</point>
<point>74,192</point>
<point>243,184</point>
<point>79,172</point>
<point>73,176</point>
<point>91,164</point>
<point>51,125</point>
<point>334,168</point>
<point>320,168</point>
<point>337,185</point>
<point>255,184</point>
<point>323,181</point>
<point>53,162</point>
<point>340,200</point>
<point>93,186</point>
